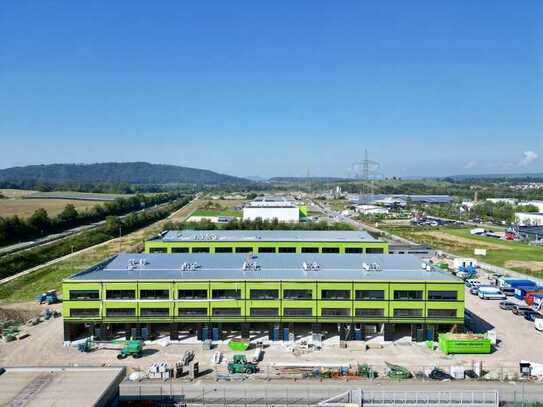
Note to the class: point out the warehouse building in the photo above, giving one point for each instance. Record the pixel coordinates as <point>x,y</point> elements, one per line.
<point>265,241</point>
<point>529,218</point>
<point>276,295</point>
<point>272,207</point>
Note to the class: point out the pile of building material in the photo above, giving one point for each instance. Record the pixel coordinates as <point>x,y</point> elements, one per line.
<point>160,370</point>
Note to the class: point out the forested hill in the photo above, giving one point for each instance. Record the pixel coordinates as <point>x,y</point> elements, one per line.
<point>132,173</point>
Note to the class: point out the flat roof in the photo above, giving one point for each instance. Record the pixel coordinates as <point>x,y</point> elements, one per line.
<point>59,386</point>
<point>265,236</point>
<point>161,266</point>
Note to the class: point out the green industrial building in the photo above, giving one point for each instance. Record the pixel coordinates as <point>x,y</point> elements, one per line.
<point>266,241</point>
<point>272,294</point>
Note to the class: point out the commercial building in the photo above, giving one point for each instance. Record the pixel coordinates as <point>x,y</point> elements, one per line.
<point>265,241</point>
<point>178,294</point>
<point>529,218</point>
<point>400,199</point>
<point>272,207</point>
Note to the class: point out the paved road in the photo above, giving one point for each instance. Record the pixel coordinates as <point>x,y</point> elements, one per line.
<point>305,393</point>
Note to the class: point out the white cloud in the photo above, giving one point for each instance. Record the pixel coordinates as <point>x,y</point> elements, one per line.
<point>471,164</point>
<point>529,158</point>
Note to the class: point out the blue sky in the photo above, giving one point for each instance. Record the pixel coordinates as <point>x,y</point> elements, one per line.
<point>275,88</point>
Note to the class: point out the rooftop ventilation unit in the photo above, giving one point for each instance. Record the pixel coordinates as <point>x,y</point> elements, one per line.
<point>205,236</point>
<point>190,266</point>
<point>250,264</point>
<point>311,266</point>
<point>372,267</point>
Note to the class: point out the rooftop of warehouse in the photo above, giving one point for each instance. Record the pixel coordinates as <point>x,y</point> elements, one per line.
<point>203,266</point>
<point>265,236</point>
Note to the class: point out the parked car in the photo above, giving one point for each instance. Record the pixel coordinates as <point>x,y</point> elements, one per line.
<point>520,310</point>
<point>471,283</point>
<point>508,292</point>
<point>538,324</point>
<point>474,290</point>
<point>507,305</point>
<point>532,316</point>
<point>490,293</point>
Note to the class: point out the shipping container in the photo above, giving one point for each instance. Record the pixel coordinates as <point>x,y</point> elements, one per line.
<point>520,292</point>
<point>464,343</point>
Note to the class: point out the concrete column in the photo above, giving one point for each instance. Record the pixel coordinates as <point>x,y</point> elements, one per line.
<point>174,332</point>
<point>245,330</point>
<point>388,331</point>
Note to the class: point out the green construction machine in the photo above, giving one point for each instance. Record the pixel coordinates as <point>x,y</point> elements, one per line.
<point>132,347</point>
<point>239,364</point>
<point>397,372</point>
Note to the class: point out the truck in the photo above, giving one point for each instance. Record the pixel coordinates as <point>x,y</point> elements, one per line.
<point>508,282</point>
<point>490,293</point>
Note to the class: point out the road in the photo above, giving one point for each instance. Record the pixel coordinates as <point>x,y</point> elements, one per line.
<point>310,393</point>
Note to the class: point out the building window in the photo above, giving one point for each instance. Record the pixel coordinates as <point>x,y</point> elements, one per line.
<point>354,250</point>
<point>192,294</point>
<point>407,295</point>
<point>76,295</point>
<point>310,249</point>
<point>370,295</point>
<point>244,249</point>
<point>266,250</point>
<point>264,294</point>
<point>264,312</point>
<point>224,249</point>
<point>158,250</point>
<point>442,295</point>
<point>374,250</point>
<point>155,312</point>
<point>154,294</point>
<point>298,312</point>
<point>121,312</point>
<point>407,312</point>
<point>226,294</point>
<point>120,294</point>
<point>336,294</point>
<point>330,249</point>
<point>335,312</point>
<point>370,312</point>
<point>442,313</point>
<point>287,250</point>
<point>180,249</point>
<point>200,249</point>
<point>298,294</point>
<point>227,312</point>
<point>84,312</point>
<point>192,312</point>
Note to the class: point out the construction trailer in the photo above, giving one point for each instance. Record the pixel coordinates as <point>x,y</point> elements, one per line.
<point>451,343</point>
<point>265,242</point>
<point>279,294</point>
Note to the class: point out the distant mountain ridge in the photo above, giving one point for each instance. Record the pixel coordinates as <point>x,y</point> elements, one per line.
<point>528,175</point>
<point>117,172</point>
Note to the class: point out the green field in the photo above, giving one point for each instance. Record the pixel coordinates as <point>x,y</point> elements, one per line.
<point>217,212</point>
<point>515,255</point>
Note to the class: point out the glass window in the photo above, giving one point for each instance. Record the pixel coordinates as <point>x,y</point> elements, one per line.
<point>244,249</point>
<point>370,312</point>
<point>408,312</point>
<point>330,249</point>
<point>121,312</point>
<point>374,250</point>
<point>407,295</point>
<point>180,249</point>
<point>120,294</point>
<point>438,313</point>
<point>154,294</point>
<point>226,294</point>
<point>336,294</point>
<point>84,312</point>
<point>298,312</point>
<point>84,295</point>
<point>200,249</point>
<point>192,312</point>
<point>266,250</point>
<point>264,312</point>
<point>264,294</point>
<point>442,295</point>
<point>155,312</point>
<point>354,250</point>
<point>227,312</point>
<point>310,249</point>
<point>335,312</point>
<point>158,250</point>
<point>287,250</point>
<point>192,294</point>
<point>298,294</point>
<point>224,249</point>
<point>367,295</point>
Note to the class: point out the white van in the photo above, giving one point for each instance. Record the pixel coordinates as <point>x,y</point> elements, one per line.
<point>490,293</point>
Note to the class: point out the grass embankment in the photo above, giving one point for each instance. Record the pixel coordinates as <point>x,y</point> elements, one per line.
<point>217,212</point>
<point>27,287</point>
<point>515,255</point>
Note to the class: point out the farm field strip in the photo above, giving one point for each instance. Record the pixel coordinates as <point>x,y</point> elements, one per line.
<point>24,207</point>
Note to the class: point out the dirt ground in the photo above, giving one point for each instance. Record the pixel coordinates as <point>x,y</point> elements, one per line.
<point>26,207</point>
<point>446,237</point>
<point>530,265</point>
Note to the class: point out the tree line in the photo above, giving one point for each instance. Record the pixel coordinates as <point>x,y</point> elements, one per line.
<point>257,224</point>
<point>14,229</point>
